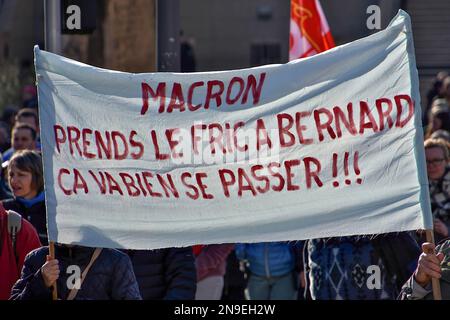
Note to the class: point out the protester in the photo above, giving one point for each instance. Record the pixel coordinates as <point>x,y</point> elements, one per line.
<point>167,274</point>
<point>439,118</point>
<point>272,270</point>
<point>437,157</point>
<point>28,116</point>
<point>9,117</point>
<point>441,134</point>
<point>359,267</point>
<point>17,238</point>
<point>5,192</point>
<point>110,276</point>
<point>234,280</point>
<point>436,91</point>
<point>433,263</point>
<point>23,138</point>
<point>211,265</point>
<point>445,90</point>
<point>25,178</point>
<point>5,139</point>
<point>187,54</point>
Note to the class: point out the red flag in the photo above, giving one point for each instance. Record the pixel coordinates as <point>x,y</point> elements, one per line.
<point>310,33</point>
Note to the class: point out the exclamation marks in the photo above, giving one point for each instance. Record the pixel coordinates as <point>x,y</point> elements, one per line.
<point>347,181</point>
<point>335,171</point>
<point>346,168</point>
<point>356,167</point>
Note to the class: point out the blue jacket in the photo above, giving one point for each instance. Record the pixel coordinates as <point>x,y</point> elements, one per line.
<point>111,276</point>
<point>165,273</point>
<point>268,259</point>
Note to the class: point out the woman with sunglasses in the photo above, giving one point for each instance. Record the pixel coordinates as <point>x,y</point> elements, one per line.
<point>437,156</point>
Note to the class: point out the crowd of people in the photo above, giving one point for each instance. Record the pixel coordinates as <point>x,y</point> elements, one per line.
<point>384,266</point>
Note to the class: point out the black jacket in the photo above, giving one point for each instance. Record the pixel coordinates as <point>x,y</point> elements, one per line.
<point>168,274</point>
<point>111,276</point>
<point>36,215</point>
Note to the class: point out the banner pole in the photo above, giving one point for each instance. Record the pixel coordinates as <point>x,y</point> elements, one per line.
<point>51,248</point>
<point>435,282</point>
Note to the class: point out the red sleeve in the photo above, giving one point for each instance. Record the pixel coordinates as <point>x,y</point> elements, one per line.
<point>213,255</point>
<point>27,241</point>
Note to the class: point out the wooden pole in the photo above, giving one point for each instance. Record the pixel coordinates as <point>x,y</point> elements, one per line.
<point>435,282</point>
<point>51,249</point>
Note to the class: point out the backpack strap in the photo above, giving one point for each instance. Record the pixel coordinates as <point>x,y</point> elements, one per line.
<point>14,226</point>
<point>74,291</point>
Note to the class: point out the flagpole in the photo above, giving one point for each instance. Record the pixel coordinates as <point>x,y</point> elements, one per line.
<point>435,282</point>
<point>51,248</point>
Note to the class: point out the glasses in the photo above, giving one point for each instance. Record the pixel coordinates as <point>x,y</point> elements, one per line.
<point>434,161</point>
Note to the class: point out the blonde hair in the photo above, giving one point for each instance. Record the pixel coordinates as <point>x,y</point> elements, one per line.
<point>438,143</point>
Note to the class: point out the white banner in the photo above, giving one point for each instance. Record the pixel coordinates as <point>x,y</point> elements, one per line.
<point>326,146</point>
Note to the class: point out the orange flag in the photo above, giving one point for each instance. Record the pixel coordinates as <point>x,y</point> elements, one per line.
<point>310,33</point>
